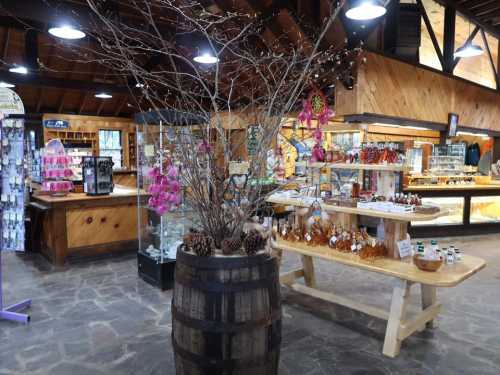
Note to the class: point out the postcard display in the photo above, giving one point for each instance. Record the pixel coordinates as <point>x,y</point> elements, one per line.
<point>12,189</point>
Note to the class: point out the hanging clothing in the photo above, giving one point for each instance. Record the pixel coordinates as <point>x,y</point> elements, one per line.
<point>473,155</point>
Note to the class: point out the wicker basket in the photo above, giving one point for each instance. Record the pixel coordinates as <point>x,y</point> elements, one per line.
<point>427,265</point>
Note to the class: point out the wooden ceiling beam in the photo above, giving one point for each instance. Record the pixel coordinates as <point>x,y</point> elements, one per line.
<point>465,11</point>
<point>486,9</point>
<point>39,80</point>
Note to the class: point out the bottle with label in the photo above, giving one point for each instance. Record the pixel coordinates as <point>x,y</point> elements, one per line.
<point>458,255</point>
<point>450,258</point>
<point>439,256</point>
<point>434,249</point>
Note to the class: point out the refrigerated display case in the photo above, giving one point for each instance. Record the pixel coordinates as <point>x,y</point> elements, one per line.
<point>485,209</point>
<point>453,206</point>
<point>469,210</point>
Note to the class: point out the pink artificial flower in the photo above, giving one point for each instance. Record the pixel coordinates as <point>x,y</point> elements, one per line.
<point>318,154</point>
<point>172,172</point>
<point>175,187</point>
<point>325,116</point>
<point>318,135</point>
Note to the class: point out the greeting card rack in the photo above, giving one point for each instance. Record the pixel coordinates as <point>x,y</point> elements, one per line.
<point>12,190</point>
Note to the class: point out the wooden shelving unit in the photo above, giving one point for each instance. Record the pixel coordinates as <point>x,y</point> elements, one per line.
<point>75,137</point>
<point>356,166</point>
<point>403,217</point>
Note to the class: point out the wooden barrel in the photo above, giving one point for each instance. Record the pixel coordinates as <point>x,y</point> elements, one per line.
<point>226,315</point>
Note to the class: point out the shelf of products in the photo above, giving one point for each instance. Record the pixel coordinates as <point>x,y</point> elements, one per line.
<point>77,155</point>
<point>357,166</point>
<point>403,216</point>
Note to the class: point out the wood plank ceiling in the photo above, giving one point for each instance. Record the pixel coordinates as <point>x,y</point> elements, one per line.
<point>486,12</point>
<point>59,83</point>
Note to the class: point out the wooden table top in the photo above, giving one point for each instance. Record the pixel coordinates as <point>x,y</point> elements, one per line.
<point>446,276</point>
<point>410,216</point>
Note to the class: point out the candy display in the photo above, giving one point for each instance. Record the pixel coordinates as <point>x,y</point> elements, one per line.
<point>55,169</point>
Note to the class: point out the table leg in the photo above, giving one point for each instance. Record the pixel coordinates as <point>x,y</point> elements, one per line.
<point>394,231</point>
<point>400,297</point>
<point>428,299</point>
<point>309,276</point>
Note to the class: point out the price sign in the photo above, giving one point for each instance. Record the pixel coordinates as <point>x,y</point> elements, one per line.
<point>404,248</point>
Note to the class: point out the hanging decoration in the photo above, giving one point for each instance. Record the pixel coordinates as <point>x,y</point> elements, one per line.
<point>164,189</point>
<point>316,105</point>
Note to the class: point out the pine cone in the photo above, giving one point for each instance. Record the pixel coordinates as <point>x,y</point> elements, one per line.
<point>230,245</point>
<point>187,239</point>
<point>202,245</point>
<point>254,242</point>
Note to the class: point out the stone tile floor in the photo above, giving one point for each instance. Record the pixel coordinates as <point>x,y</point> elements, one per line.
<point>98,317</point>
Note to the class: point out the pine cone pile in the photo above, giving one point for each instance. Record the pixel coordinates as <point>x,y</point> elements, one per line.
<point>254,242</point>
<point>199,243</point>
<point>230,245</point>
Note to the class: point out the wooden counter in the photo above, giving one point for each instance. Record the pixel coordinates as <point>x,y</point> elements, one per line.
<point>418,188</point>
<point>469,195</point>
<point>79,225</point>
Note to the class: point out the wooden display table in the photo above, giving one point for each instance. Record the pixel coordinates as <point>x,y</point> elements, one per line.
<point>395,224</point>
<point>399,326</point>
<point>79,225</point>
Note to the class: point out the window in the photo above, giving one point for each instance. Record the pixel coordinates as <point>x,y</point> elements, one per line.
<point>110,144</point>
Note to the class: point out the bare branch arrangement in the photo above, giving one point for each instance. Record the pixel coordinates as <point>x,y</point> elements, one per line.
<point>251,81</point>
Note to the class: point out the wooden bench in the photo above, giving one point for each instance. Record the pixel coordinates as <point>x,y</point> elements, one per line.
<point>405,273</point>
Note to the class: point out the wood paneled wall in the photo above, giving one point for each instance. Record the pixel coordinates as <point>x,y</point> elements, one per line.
<point>94,124</point>
<point>390,87</point>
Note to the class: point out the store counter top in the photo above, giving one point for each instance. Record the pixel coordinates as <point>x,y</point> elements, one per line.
<point>119,192</point>
<point>79,225</point>
<point>415,188</point>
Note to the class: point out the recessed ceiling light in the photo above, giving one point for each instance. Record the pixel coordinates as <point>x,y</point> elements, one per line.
<point>6,85</point>
<point>67,32</point>
<point>19,69</point>
<point>206,58</point>
<point>103,95</point>
<point>366,10</point>
<point>469,50</point>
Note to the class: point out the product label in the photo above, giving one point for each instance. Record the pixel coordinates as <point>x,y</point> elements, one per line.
<point>404,248</point>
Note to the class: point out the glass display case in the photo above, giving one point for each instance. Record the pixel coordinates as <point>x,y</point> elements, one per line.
<point>453,206</point>
<point>447,160</point>
<point>485,209</point>
<point>160,233</point>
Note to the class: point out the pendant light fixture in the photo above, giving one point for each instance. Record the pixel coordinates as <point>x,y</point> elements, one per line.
<point>469,49</point>
<point>363,10</point>
<point>103,95</point>
<point>19,69</point>
<point>67,32</point>
<point>206,58</point>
